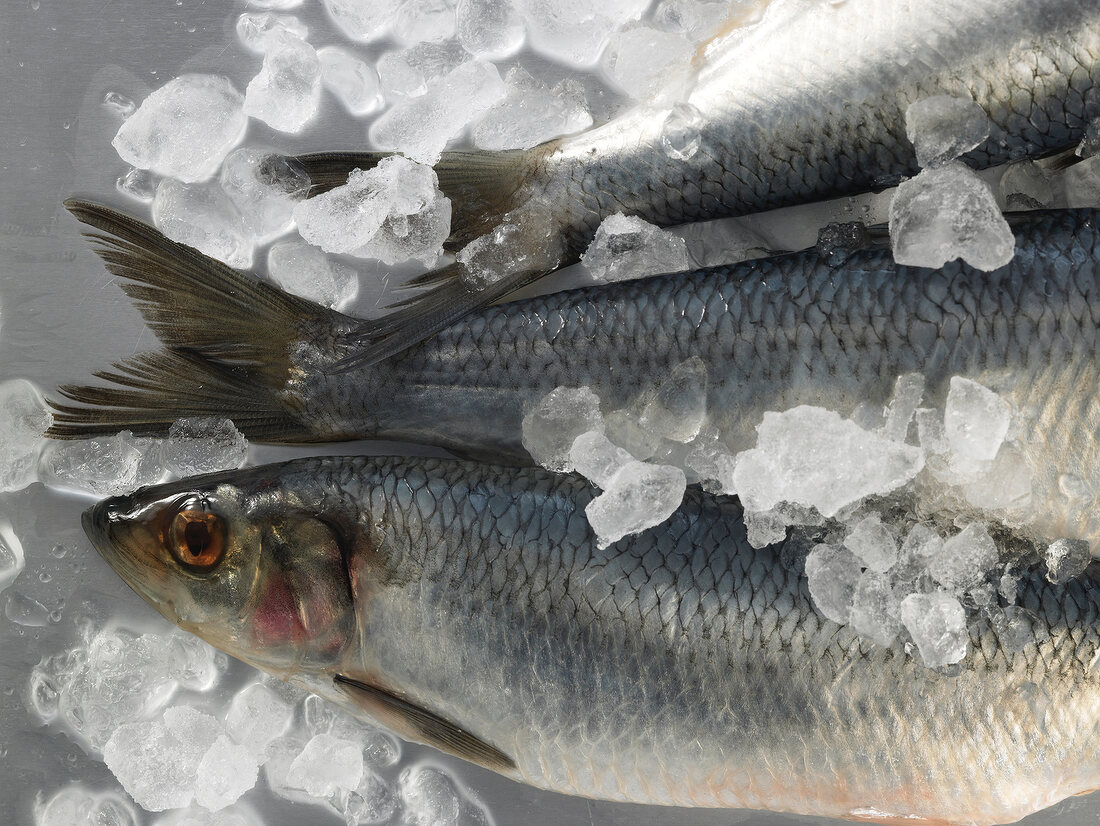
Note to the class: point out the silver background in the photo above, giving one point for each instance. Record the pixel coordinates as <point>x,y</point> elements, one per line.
<point>61,318</point>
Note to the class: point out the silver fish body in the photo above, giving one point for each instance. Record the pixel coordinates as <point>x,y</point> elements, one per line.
<point>679,666</point>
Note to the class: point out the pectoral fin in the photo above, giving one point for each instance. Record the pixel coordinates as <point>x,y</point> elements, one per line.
<point>416,723</point>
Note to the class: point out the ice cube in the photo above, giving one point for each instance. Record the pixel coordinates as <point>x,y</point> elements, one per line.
<point>380,750</point>
<point>489,29</point>
<point>203,445</point>
<point>76,806</point>
<point>712,465</point>
<point>287,91</point>
<point>392,212</point>
<point>185,128</point>
<point>521,241</point>
<point>305,270</point>
<point>874,610</point>
<point>408,73</point>
<point>225,772</point>
<point>930,431</point>
<point>147,760</point>
<point>975,421</point>
<point>622,428</point>
<point>870,540</point>
<point>256,717</point>
<point>204,217</point>
<point>763,528</point>
<point>195,729</point>
<point>1006,483</point>
<point>645,62</point>
<point>258,32</point>
<point>106,466</point>
<point>23,419</point>
<point>421,127</point>
<point>832,574</point>
<point>945,213</point>
<point>937,624</point>
<point>196,664</point>
<point>964,559</point>
<point>943,127</point>
<point>265,188</point>
<point>811,456</point>
<point>531,113</point>
<point>550,428</point>
<point>626,247</point>
<point>353,82</point>
<point>326,765</point>
<point>139,184</point>
<point>1015,627</point>
<point>921,545</point>
<point>597,459</point>
<point>678,408</point>
<point>638,497</point>
<point>430,21</point>
<point>1026,185</point>
<point>281,754</point>
<point>362,19</point>
<point>431,797</point>
<point>1066,559</point>
<point>1082,183</point>
<point>576,31</point>
<point>371,802</point>
<point>908,391</point>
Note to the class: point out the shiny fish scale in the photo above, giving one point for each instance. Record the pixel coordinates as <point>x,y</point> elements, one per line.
<point>785,124</point>
<point>683,666</point>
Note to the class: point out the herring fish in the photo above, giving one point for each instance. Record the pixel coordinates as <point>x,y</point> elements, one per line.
<point>469,607</point>
<point>808,104</point>
<point>770,334</point>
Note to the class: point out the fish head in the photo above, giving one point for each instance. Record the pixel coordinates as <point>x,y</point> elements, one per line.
<point>238,559</point>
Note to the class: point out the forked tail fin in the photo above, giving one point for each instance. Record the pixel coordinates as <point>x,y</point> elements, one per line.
<point>228,338</point>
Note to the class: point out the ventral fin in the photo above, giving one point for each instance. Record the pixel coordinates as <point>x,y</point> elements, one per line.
<point>416,723</point>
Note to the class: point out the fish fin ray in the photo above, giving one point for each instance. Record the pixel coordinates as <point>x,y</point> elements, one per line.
<point>412,721</point>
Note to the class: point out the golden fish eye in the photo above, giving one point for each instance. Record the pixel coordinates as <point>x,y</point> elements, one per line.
<point>196,538</point>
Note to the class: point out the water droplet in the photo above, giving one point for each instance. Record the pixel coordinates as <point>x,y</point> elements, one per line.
<point>59,551</point>
<point>22,610</point>
<point>44,576</point>
<point>35,6</point>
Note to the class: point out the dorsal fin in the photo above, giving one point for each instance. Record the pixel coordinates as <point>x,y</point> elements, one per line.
<point>416,723</point>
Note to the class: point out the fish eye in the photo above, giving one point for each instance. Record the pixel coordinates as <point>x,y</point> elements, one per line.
<point>196,537</point>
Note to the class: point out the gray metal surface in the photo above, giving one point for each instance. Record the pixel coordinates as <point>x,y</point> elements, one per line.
<point>60,318</point>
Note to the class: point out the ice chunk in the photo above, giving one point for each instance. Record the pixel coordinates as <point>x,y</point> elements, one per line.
<point>873,544</point>
<point>258,32</point>
<point>638,497</point>
<point>839,241</point>
<point>106,466</point>
<point>626,247</point>
<point>11,555</point>
<point>930,431</point>
<point>407,73</point>
<point>524,239</point>
<point>380,750</point>
<point>710,463</point>
<point>24,610</point>
<point>76,806</point>
<point>1026,185</point>
<point>326,765</point>
<point>769,527</point>
<point>305,270</point>
<point>195,664</point>
<point>576,31</point>
<point>371,802</point>
<point>119,104</point>
<point>831,574</point>
<point>184,128</point>
<point>393,212</point>
<point>23,419</point>
<point>1066,559</point>
<point>622,428</point>
<point>975,420</point>
<point>678,408</point>
<point>430,21</point>
<point>597,459</point>
<point>256,717</point>
<point>225,772</point>
<point>432,798</point>
<point>203,445</point>
<point>265,188</point>
<point>1015,627</point>
<point>281,754</point>
<point>921,545</point>
<point>421,127</point>
<point>937,624</point>
<point>151,764</point>
<point>362,19</point>
<point>287,91</point>
<point>1090,145</point>
<point>811,456</point>
<point>964,559</point>
<point>489,29</point>
<point>353,82</point>
<point>945,213</point>
<point>908,391</point>
<point>551,427</point>
<point>1082,183</point>
<point>139,184</point>
<point>643,62</point>
<point>698,20</point>
<point>943,127</point>
<point>531,113</point>
<point>237,815</point>
<point>874,611</point>
<point>1006,483</point>
<point>204,217</point>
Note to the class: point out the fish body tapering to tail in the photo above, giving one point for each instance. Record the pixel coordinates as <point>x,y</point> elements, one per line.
<point>232,344</point>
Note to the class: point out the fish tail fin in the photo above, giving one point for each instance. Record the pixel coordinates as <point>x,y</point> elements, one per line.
<point>229,341</point>
<point>483,187</point>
